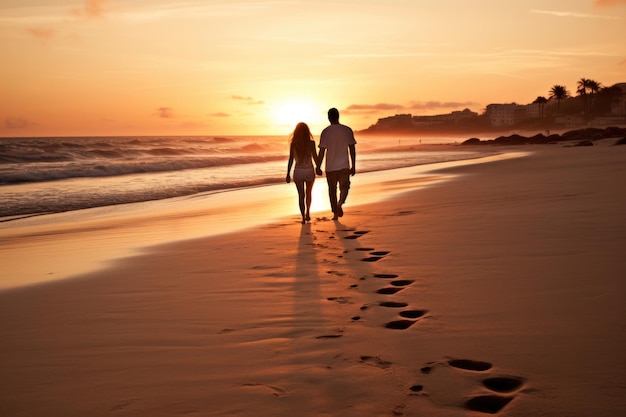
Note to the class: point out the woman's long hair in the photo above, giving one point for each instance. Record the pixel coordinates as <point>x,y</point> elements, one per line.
<point>300,139</point>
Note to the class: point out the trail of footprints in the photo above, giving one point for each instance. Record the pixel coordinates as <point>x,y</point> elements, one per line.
<point>501,390</point>
<point>395,285</point>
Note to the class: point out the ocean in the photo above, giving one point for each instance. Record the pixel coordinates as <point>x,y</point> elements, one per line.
<point>60,174</point>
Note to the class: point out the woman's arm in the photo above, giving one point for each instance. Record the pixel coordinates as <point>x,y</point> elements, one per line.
<point>289,165</point>
<point>317,158</point>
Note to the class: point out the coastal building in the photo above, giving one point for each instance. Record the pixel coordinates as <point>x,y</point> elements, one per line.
<point>506,114</point>
<point>619,107</point>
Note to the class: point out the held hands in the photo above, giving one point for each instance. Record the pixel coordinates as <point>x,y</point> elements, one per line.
<point>318,171</point>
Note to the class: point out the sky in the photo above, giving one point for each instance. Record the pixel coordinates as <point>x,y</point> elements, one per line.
<point>257,67</point>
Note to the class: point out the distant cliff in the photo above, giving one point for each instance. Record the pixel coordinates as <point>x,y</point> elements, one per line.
<point>465,121</point>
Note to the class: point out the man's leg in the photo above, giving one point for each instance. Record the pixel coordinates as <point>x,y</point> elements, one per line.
<point>343,178</point>
<point>331,178</point>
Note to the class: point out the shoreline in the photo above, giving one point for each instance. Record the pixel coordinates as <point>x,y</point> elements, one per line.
<point>118,231</point>
<point>511,271</point>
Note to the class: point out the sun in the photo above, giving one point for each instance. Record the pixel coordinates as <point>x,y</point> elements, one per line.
<point>288,113</point>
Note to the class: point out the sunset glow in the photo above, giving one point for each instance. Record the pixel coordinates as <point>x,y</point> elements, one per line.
<point>256,67</point>
<point>289,113</point>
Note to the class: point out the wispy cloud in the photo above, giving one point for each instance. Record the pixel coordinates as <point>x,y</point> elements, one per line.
<point>219,114</point>
<point>43,34</point>
<point>165,112</point>
<point>433,105</point>
<point>91,9</point>
<point>17,123</point>
<point>247,100</point>
<point>413,105</point>
<point>574,14</point>
<point>609,2</point>
<point>372,108</point>
<point>202,10</point>
<point>383,55</point>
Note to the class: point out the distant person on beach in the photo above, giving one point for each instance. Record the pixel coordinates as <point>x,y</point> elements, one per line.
<point>336,141</point>
<point>302,151</point>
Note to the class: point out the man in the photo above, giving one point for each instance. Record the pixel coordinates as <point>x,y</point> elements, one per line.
<point>336,141</point>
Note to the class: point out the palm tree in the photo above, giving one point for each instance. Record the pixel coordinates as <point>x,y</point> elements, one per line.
<point>587,88</point>
<point>583,86</point>
<point>559,93</point>
<point>594,87</point>
<point>541,100</point>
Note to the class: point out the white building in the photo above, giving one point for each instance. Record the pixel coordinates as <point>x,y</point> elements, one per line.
<point>506,114</point>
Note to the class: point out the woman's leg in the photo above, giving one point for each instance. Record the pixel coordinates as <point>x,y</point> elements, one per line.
<point>309,198</point>
<point>301,196</point>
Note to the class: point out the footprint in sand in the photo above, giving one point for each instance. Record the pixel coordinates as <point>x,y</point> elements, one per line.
<point>409,316</point>
<point>376,256</point>
<point>402,282</point>
<point>385,276</point>
<point>340,300</point>
<point>413,314</point>
<point>397,285</point>
<point>470,365</point>
<point>503,384</point>
<point>376,361</point>
<point>273,390</point>
<point>400,324</point>
<point>388,290</point>
<point>357,234</point>
<point>484,403</point>
<point>393,304</point>
<point>329,336</point>
<point>490,404</point>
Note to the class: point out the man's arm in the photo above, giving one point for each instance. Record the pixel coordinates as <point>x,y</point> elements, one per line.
<point>352,150</point>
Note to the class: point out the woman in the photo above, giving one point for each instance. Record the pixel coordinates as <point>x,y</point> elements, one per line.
<point>302,150</point>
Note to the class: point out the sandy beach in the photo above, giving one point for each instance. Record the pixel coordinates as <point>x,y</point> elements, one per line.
<point>489,288</point>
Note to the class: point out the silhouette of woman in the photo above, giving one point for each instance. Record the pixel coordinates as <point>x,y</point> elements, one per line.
<point>302,151</point>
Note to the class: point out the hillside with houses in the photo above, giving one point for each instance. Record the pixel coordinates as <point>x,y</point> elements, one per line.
<point>592,105</point>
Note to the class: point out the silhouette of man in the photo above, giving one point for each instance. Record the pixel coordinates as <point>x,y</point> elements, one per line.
<point>336,141</point>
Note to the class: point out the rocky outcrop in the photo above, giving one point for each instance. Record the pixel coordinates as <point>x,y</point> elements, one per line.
<point>586,136</point>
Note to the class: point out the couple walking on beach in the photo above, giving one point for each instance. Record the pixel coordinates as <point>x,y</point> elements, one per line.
<point>336,142</point>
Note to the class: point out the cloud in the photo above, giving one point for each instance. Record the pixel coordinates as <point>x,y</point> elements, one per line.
<point>248,100</point>
<point>219,114</point>
<point>602,3</point>
<point>17,123</point>
<point>574,14</point>
<point>372,108</point>
<point>383,55</point>
<point>43,34</point>
<point>165,112</point>
<point>92,9</point>
<point>413,105</point>
<point>431,105</point>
